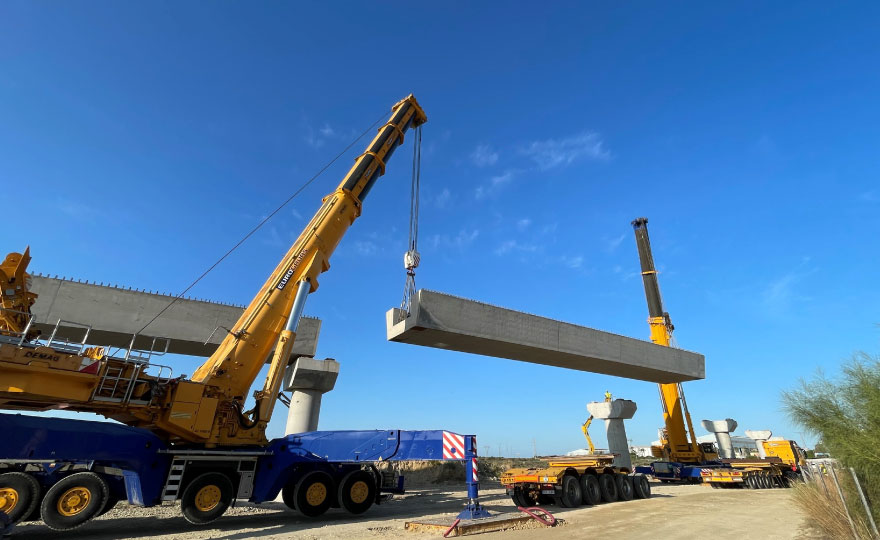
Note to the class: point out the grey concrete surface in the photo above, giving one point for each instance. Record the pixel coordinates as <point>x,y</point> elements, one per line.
<point>309,379</point>
<point>722,429</point>
<point>614,413</point>
<point>759,436</point>
<point>448,322</point>
<point>115,313</point>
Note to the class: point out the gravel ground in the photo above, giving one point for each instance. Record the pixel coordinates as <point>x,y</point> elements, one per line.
<point>673,511</point>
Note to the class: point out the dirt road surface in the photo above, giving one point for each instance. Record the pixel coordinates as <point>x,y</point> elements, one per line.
<point>689,511</point>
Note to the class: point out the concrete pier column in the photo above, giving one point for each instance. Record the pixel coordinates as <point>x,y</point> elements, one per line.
<point>308,379</point>
<point>759,436</point>
<point>722,429</point>
<point>614,413</point>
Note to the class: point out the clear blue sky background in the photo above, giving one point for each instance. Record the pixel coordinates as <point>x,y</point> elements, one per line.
<point>139,141</point>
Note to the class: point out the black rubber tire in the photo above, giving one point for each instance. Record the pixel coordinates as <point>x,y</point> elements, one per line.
<point>571,492</point>
<point>60,494</point>
<point>765,481</point>
<point>624,487</point>
<point>355,486</point>
<point>189,501</point>
<point>641,487</point>
<point>608,487</point>
<point>27,493</point>
<point>520,498</point>
<point>590,493</point>
<point>311,481</point>
<point>287,494</point>
<point>112,500</point>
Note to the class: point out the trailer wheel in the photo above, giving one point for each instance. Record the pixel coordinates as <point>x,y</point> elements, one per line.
<point>608,487</point>
<point>206,498</point>
<point>357,491</point>
<point>74,500</point>
<point>521,498</point>
<point>624,487</point>
<point>590,489</point>
<point>571,492</point>
<point>314,493</point>
<point>641,487</point>
<point>19,495</point>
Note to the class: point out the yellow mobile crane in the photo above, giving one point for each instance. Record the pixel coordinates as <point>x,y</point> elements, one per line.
<point>207,408</point>
<point>675,444</point>
<point>683,458</point>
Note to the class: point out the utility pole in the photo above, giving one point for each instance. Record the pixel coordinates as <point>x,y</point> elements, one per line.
<point>534,447</point>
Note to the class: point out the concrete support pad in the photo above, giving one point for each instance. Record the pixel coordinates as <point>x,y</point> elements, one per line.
<point>498,522</point>
<point>722,429</point>
<point>614,413</point>
<point>309,379</point>
<point>448,322</point>
<point>115,313</point>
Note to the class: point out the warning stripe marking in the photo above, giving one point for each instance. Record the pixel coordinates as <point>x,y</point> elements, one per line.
<point>453,445</point>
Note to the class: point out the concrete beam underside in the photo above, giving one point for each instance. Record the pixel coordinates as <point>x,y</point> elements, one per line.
<point>115,314</point>
<point>448,322</point>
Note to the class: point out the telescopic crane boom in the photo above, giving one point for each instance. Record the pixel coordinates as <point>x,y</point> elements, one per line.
<point>206,409</point>
<point>677,447</point>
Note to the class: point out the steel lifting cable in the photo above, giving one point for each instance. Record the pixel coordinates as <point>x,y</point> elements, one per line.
<point>265,220</point>
<point>411,257</point>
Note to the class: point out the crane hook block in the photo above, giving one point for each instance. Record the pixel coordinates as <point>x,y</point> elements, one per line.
<point>411,259</point>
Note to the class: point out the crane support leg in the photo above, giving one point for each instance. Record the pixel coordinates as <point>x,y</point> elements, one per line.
<point>474,509</point>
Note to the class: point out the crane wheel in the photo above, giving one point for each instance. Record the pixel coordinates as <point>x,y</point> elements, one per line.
<point>19,495</point>
<point>624,487</point>
<point>590,492</point>
<point>206,497</point>
<point>112,500</point>
<point>357,491</point>
<point>571,492</point>
<point>608,487</point>
<point>641,486</point>
<point>74,500</point>
<point>314,494</point>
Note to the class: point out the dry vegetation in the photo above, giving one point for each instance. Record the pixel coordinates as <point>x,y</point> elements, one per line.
<point>825,512</point>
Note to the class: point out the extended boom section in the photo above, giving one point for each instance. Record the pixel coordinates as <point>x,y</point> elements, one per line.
<point>675,443</point>
<point>208,408</point>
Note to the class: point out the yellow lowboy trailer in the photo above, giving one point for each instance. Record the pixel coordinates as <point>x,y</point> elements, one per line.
<point>573,481</point>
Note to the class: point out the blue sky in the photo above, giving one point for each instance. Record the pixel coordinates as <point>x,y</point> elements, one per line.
<point>138,142</point>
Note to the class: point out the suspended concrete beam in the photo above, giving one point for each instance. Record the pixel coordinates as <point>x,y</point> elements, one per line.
<point>448,322</point>
<point>115,313</point>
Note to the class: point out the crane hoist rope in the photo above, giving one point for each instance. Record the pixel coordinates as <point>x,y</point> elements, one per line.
<point>264,221</point>
<point>411,257</point>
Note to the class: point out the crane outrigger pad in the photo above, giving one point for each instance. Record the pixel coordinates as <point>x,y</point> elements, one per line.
<point>449,322</point>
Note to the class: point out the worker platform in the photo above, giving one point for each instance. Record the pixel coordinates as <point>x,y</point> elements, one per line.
<point>449,322</point>
<point>192,327</point>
